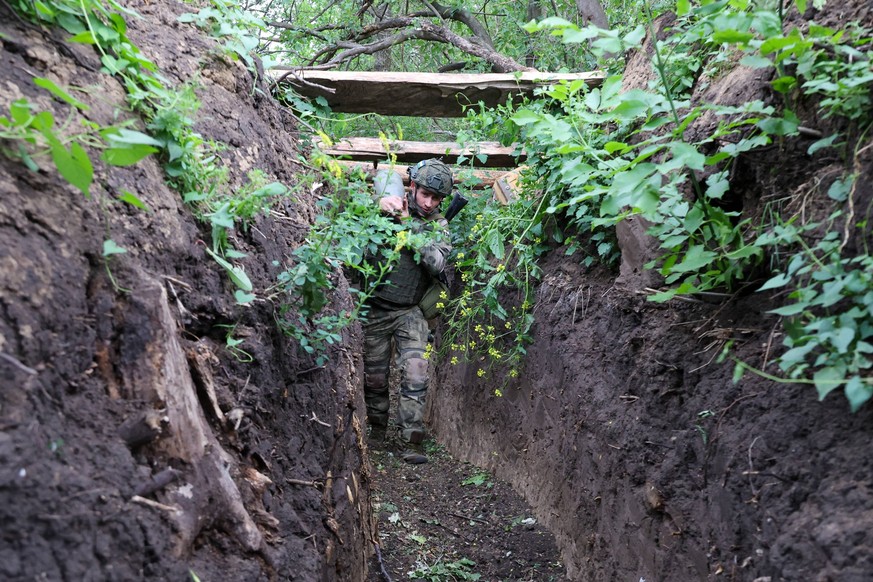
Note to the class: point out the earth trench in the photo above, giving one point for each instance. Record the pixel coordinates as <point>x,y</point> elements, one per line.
<point>624,450</point>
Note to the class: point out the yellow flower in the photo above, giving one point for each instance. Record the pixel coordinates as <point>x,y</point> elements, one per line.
<point>461,256</point>
<point>402,238</point>
<point>498,393</point>
<point>501,267</point>
<point>480,373</point>
<point>444,295</point>
<point>454,360</point>
<point>513,373</point>
<point>508,325</point>
<point>440,305</point>
<point>428,350</point>
<point>325,139</point>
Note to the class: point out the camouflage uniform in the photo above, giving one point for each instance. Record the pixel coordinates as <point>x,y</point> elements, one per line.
<point>394,314</point>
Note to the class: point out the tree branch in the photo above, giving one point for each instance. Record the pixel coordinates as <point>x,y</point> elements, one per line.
<point>413,29</point>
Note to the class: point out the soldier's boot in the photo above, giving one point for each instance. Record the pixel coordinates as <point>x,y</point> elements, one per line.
<point>413,453</point>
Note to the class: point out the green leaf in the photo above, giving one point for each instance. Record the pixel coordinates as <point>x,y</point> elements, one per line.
<point>682,7</point>
<point>779,125</point>
<point>130,137</point>
<point>827,379</point>
<point>613,146</point>
<point>739,370</point>
<point>133,200</point>
<point>243,298</point>
<point>525,117</point>
<point>787,310</point>
<point>630,109</point>
<point>731,37</point>
<point>784,84</point>
<point>84,37</point>
<point>801,6</point>
<point>843,339</point>
<point>687,155</point>
<point>857,392</point>
<point>74,165</point>
<point>52,88</point>
<point>779,280</point>
<point>237,275</point>
<point>717,185</point>
<point>696,258</point>
<point>840,189</point>
<point>756,62</point>
<point>495,243</point>
<point>634,37</point>
<point>694,219</point>
<point>111,248</point>
<point>127,156</point>
<point>824,142</point>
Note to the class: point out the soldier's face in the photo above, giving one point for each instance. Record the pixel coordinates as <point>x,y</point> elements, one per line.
<point>428,201</point>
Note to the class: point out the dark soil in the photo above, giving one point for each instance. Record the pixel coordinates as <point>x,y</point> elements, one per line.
<point>453,519</point>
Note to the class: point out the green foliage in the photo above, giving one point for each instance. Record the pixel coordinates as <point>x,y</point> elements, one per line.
<point>603,155</point>
<point>227,21</point>
<point>829,321</point>
<point>34,134</point>
<point>349,233</point>
<point>445,571</point>
<point>478,479</point>
<point>191,163</point>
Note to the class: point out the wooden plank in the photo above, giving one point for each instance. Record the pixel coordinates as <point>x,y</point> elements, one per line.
<point>371,149</point>
<point>420,94</point>
<point>478,179</point>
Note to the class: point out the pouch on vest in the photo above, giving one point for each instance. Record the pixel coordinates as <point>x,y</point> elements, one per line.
<point>436,294</point>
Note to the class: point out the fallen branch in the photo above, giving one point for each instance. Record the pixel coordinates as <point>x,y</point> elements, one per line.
<point>382,569</point>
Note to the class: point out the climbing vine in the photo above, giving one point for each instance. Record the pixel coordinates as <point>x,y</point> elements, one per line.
<point>602,155</point>
<point>191,163</point>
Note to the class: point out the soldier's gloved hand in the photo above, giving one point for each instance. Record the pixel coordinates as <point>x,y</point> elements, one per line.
<point>395,206</point>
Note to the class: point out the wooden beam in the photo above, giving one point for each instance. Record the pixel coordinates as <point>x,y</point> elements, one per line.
<point>371,149</point>
<point>420,94</point>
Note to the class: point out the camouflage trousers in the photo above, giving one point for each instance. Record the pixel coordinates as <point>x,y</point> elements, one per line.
<point>408,329</point>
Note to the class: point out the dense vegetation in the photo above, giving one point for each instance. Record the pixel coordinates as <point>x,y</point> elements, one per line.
<point>599,156</point>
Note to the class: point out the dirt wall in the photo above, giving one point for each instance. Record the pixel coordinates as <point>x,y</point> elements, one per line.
<point>243,470</point>
<point>647,461</point>
<point>634,444</point>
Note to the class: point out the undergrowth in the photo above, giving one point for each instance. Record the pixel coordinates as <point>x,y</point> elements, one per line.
<point>602,155</point>
<point>191,163</point>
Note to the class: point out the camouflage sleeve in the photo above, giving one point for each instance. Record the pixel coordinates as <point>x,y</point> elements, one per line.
<point>435,254</point>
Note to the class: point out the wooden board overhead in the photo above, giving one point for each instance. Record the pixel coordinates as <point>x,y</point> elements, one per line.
<point>486,154</point>
<point>420,94</point>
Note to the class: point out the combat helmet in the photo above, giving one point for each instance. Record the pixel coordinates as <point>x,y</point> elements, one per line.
<point>433,175</point>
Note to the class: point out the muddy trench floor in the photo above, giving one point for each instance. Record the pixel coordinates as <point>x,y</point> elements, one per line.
<point>447,520</point>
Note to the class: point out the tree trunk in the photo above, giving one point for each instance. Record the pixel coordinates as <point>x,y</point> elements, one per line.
<point>534,12</point>
<point>591,12</point>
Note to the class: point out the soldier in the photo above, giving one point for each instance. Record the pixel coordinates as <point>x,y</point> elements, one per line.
<point>394,311</point>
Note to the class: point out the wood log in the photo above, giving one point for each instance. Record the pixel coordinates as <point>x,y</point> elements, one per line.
<point>157,482</point>
<point>420,94</point>
<point>207,495</point>
<point>371,149</point>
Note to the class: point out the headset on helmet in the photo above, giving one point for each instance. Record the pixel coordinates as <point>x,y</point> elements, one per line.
<point>433,175</point>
